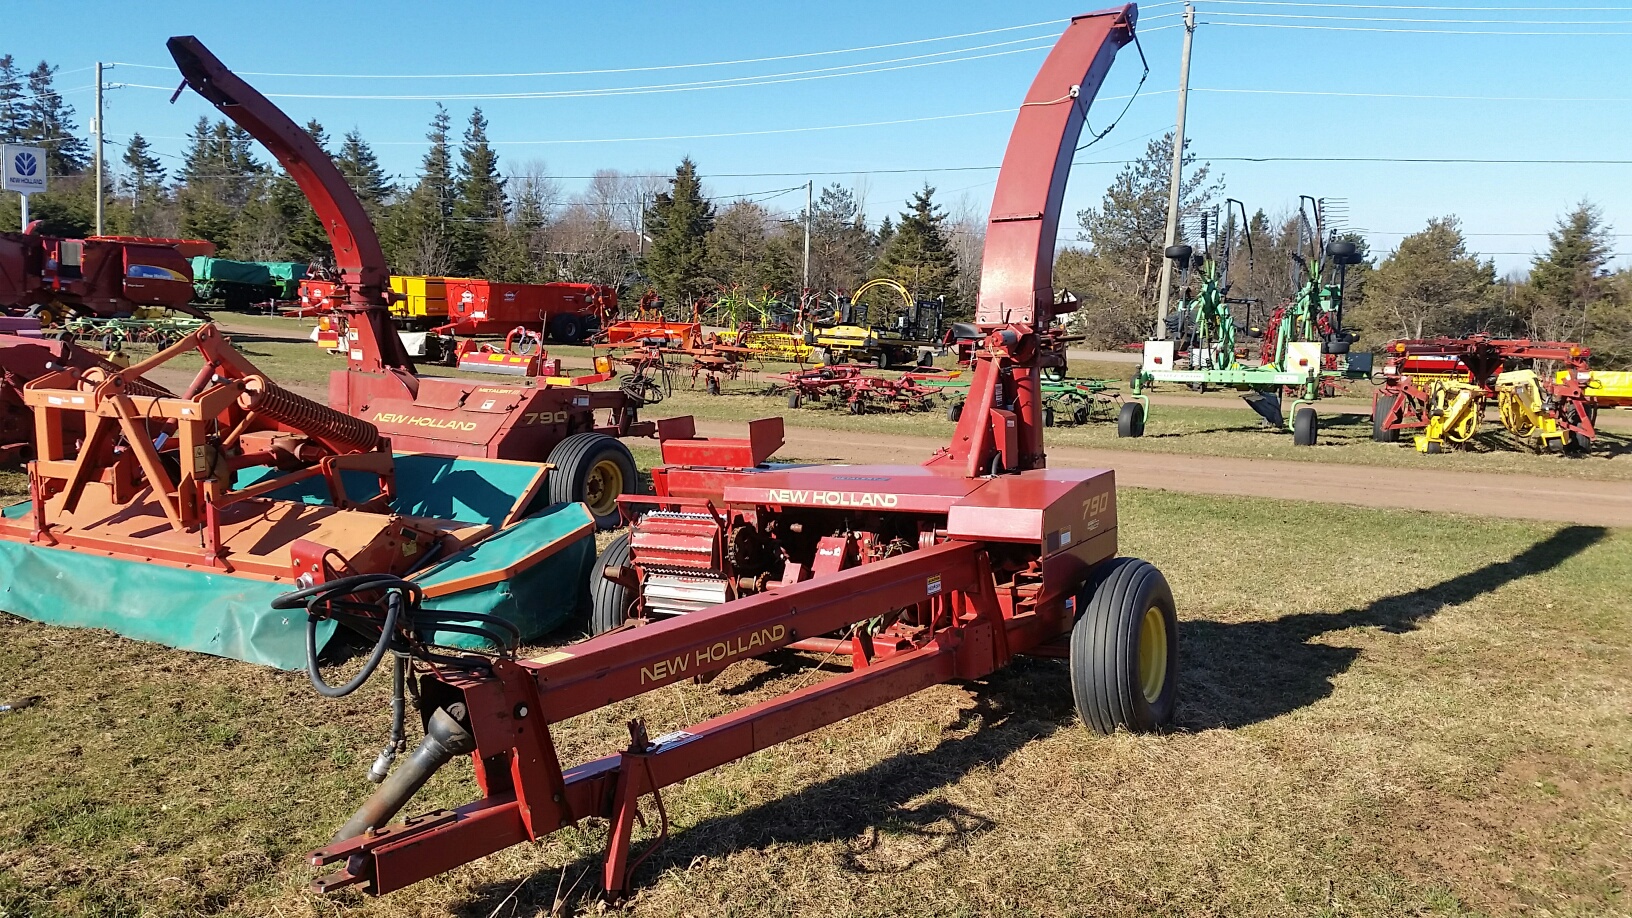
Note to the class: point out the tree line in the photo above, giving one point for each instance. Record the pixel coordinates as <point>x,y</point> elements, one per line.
<point>465,215</point>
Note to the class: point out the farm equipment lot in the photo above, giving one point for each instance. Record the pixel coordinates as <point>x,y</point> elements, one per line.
<point>1421,724</point>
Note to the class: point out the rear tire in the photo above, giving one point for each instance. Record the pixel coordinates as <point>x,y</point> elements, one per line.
<point>593,469</point>
<point>609,600</point>
<point>793,400</point>
<point>1130,422</point>
<point>1125,649</point>
<point>567,328</point>
<point>1381,409</point>
<point>1305,427</point>
<point>954,411</point>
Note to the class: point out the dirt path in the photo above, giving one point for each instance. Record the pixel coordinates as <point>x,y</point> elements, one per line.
<point>1532,497</point>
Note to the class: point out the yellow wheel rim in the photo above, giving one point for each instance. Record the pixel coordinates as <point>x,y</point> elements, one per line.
<point>602,486</point>
<point>1152,654</point>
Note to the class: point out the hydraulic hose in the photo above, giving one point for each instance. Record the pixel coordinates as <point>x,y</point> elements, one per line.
<point>314,597</point>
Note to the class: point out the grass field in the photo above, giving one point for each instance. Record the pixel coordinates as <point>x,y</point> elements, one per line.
<point>1380,715</point>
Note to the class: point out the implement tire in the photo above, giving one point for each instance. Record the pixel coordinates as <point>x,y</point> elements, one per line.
<point>1130,421</point>
<point>593,469</point>
<point>609,600</point>
<point>1381,408</point>
<point>1305,427</point>
<point>1125,649</point>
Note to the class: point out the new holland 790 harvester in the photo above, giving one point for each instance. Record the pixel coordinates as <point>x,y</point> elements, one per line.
<point>916,575</point>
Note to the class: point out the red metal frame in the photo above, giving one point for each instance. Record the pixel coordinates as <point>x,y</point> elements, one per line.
<point>964,567</point>
<point>1410,365</point>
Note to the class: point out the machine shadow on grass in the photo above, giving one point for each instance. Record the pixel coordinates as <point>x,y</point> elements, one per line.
<point>1241,673</point>
<point>1026,701</point>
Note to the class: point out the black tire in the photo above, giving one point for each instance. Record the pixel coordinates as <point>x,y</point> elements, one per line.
<point>1130,421</point>
<point>567,328</point>
<point>954,411</point>
<point>1081,415</point>
<point>593,469</point>
<point>1381,408</point>
<point>882,361</point>
<point>858,407</point>
<point>1434,448</point>
<point>819,355</point>
<point>926,357</point>
<point>1305,427</point>
<point>1048,416</point>
<point>1179,253</point>
<point>1125,649</point>
<point>711,385</point>
<point>793,400</point>
<point>609,601</point>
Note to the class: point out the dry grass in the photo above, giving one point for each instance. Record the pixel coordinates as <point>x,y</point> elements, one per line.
<point>1380,716</point>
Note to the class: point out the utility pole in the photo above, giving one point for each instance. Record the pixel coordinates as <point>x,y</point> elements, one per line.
<point>810,187</point>
<point>96,126</point>
<point>1178,162</point>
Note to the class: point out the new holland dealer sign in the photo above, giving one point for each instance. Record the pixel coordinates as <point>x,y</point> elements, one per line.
<point>24,169</point>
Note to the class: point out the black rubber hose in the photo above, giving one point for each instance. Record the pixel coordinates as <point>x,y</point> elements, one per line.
<point>399,711</point>
<point>393,608</point>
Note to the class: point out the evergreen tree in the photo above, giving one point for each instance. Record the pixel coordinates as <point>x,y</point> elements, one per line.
<point>219,174</point>
<point>840,246</point>
<point>886,231</point>
<point>745,252</point>
<point>918,255</point>
<point>415,234</point>
<point>678,222</point>
<point>1431,285</point>
<point>307,240</point>
<point>48,121</point>
<point>1570,279</point>
<point>142,185</point>
<point>479,202</point>
<point>12,109</point>
<point>357,162</point>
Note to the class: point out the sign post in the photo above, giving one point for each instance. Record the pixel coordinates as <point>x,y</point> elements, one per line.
<point>23,172</point>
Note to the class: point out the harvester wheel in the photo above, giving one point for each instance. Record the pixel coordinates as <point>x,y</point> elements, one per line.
<point>954,411</point>
<point>1131,421</point>
<point>609,600</point>
<point>793,400</point>
<point>594,469</point>
<point>1125,649</point>
<point>1381,409</point>
<point>1305,427</point>
<point>567,328</point>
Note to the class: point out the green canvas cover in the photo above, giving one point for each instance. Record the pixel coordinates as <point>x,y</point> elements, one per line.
<point>225,270</point>
<point>536,600</point>
<point>208,612</point>
<point>229,616</point>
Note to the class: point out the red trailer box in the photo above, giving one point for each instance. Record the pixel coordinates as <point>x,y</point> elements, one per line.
<point>568,313</point>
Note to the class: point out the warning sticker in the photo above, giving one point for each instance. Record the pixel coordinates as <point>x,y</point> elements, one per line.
<point>488,405</point>
<point>933,585</point>
<point>554,656</point>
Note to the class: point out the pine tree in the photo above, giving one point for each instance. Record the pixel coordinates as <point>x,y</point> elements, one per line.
<point>479,202</point>
<point>840,246</point>
<point>415,234</point>
<point>49,122</point>
<point>1571,278</point>
<point>308,240</point>
<point>357,162</point>
<point>917,253</point>
<point>678,222</point>
<point>12,108</point>
<point>219,177</point>
<point>142,185</point>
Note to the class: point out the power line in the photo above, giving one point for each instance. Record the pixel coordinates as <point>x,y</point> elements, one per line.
<point>646,69</point>
<point>1323,28</point>
<point>1448,9</point>
<point>1438,21</point>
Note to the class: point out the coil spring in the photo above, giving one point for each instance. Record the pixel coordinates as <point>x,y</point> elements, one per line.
<point>341,432</point>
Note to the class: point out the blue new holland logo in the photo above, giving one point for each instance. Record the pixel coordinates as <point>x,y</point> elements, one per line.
<point>25,164</point>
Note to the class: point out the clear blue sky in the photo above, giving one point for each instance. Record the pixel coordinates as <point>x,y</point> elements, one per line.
<point>989,73</point>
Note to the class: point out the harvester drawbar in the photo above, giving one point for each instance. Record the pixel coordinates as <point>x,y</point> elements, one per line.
<point>916,575</point>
